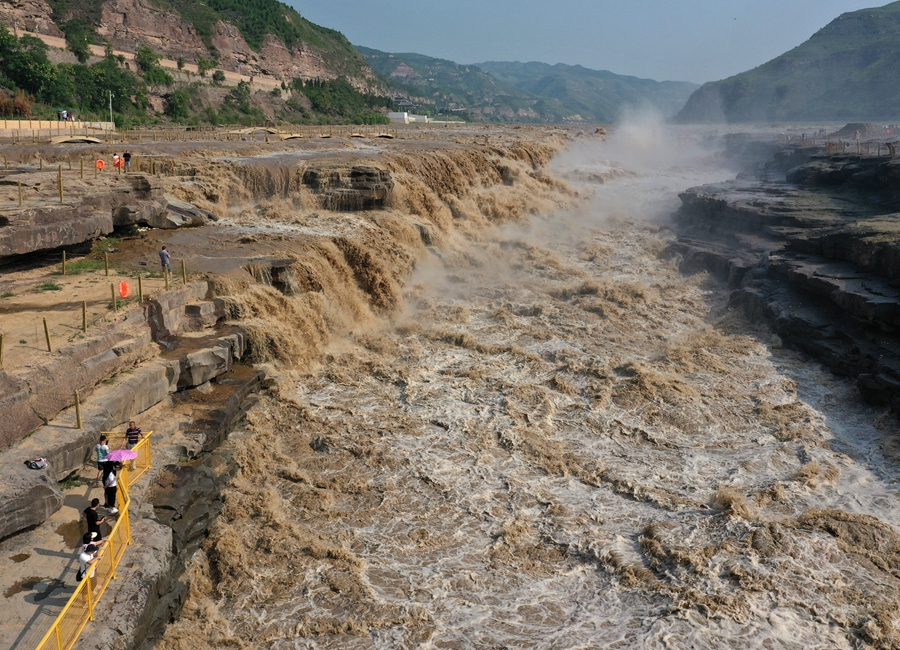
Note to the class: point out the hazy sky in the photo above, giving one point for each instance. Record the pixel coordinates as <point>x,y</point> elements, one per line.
<point>683,40</point>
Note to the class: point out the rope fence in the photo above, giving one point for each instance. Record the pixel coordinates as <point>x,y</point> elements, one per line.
<point>60,324</point>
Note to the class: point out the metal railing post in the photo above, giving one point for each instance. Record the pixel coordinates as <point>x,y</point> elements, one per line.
<point>89,588</point>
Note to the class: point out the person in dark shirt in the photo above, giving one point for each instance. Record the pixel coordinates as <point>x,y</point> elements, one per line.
<point>127,158</point>
<point>93,518</point>
<point>166,259</point>
<point>133,435</point>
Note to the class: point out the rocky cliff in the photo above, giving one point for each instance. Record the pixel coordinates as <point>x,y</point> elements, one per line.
<point>174,31</point>
<point>31,15</point>
<point>811,244</point>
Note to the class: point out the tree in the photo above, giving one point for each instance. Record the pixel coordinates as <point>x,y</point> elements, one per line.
<point>205,65</point>
<point>146,58</point>
<point>218,76</point>
<point>78,39</point>
<point>178,104</point>
<point>158,77</point>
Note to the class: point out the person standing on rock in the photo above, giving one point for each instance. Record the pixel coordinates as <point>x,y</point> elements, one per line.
<point>133,435</point>
<point>93,518</point>
<point>166,260</point>
<point>110,483</point>
<point>102,453</point>
<point>126,159</point>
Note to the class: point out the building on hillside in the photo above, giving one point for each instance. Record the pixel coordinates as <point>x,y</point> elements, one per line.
<point>398,118</point>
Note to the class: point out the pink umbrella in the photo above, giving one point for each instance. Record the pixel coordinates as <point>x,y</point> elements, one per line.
<point>121,454</point>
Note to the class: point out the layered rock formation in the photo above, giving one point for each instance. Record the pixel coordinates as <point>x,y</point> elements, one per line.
<point>30,15</point>
<point>814,249</point>
<point>127,24</point>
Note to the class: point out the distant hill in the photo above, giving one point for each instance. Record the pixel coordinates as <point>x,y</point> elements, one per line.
<point>591,95</point>
<point>441,85</point>
<point>525,92</point>
<point>848,71</point>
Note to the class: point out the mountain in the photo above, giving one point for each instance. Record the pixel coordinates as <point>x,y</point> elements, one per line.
<point>252,37</point>
<point>440,85</point>
<point>848,71</point>
<point>591,95</point>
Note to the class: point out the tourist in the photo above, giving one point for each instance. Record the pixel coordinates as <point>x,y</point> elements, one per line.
<point>86,558</point>
<point>102,453</point>
<point>117,162</point>
<point>126,158</point>
<point>110,483</point>
<point>166,259</point>
<point>133,435</point>
<point>93,518</point>
<point>91,538</point>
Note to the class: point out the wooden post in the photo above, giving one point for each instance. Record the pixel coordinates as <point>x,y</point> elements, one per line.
<point>47,336</point>
<point>41,163</point>
<point>112,290</point>
<point>20,195</point>
<point>64,263</point>
<point>70,163</point>
<point>84,316</point>
<point>60,178</point>
<point>106,263</point>
<point>82,168</point>
<point>141,289</point>
<point>183,272</point>
<point>78,424</point>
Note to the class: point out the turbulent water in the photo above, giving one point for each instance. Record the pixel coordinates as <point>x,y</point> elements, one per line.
<point>555,440</point>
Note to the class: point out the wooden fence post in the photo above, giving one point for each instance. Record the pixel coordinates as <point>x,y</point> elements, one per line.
<point>112,290</point>
<point>60,178</point>
<point>183,272</point>
<point>78,424</point>
<point>82,167</point>
<point>47,336</point>
<point>84,316</point>
<point>64,263</point>
<point>1,351</point>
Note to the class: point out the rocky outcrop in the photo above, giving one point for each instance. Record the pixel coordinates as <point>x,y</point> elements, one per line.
<point>89,211</point>
<point>126,24</point>
<point>346,189</point>
<point>129,604</point>
<point>814,251</point>
<point>29,496</point>
<point>32,399</point>
<point>30,15</point>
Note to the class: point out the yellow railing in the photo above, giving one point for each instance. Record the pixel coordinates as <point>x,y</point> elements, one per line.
<point>80,609</point>
<point>144,450</point>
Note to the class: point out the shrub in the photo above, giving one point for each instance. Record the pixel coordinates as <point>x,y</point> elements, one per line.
<point>218,76</point>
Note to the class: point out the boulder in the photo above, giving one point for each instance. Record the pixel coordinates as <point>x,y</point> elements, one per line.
<point>28,496</point>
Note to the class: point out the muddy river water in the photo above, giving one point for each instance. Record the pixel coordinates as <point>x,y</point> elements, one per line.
<point>561,442</point>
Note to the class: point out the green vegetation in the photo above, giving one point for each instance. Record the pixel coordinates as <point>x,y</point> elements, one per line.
<point>26,71</point>
<point>7,294</point>
<point>84,265</point>
<point>846,72</point>
<point>337,99</point>
<point>47,286</point>
<point>148,61</point>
